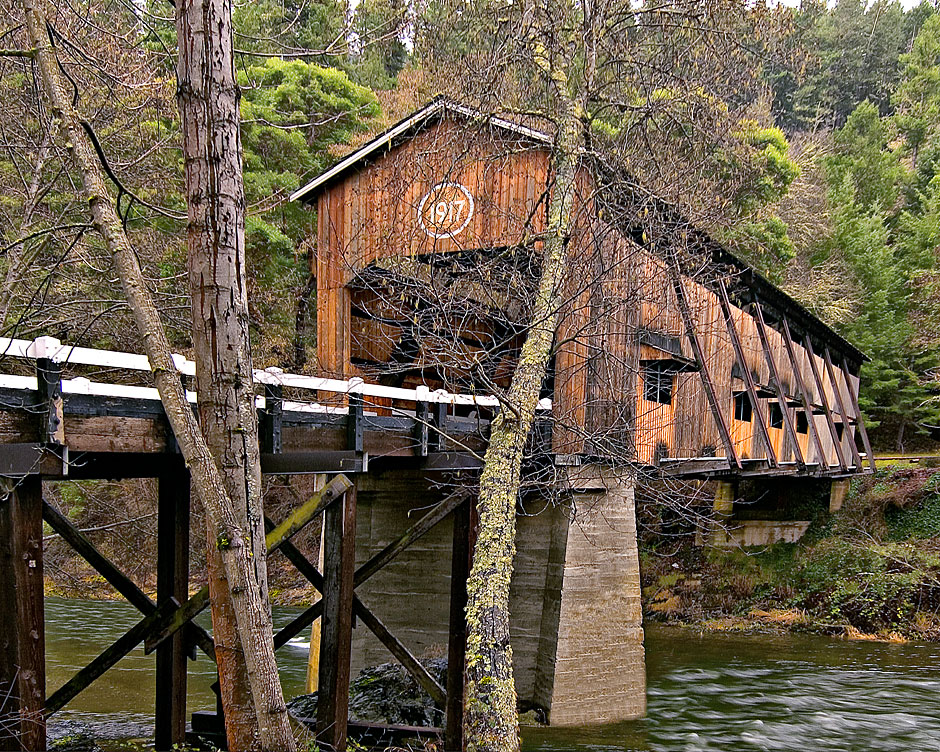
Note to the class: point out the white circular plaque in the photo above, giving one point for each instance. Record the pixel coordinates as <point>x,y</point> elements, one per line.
<point>446,210</point>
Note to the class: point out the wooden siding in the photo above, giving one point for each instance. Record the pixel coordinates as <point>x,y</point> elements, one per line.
<point>617,304</point>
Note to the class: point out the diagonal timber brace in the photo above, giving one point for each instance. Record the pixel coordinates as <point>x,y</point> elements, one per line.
<point>804,394</point>
<point>416,531</point>
<point>748,379</point>
<point>778,387</point>
<point>830,370</point>
<point>707,383</point>
<point>858,412</point>
<point>820,388</point>
<point>117,650</point>
<point>117,579</point>
<point>394,645</point>
<point>276,538</point>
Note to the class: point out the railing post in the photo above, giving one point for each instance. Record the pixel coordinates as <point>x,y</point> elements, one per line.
<point>269,427</point>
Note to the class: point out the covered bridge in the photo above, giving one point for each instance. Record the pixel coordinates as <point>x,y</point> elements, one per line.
<point>672,357</point>
<point>670,351</point>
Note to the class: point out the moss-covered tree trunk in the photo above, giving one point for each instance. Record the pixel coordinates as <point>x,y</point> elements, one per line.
<point>207,94</point>
<point>490,722</point>
<point>234,543</point>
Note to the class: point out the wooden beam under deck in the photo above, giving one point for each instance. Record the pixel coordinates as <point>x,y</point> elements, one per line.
<point>707,468</point>
<point>116,437</point>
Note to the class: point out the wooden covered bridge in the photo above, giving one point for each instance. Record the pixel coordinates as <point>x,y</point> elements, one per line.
<point>672,358</point>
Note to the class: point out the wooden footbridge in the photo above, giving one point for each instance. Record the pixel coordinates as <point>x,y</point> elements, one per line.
<point>55,429</point>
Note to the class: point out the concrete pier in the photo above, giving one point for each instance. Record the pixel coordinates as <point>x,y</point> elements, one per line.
<point>577,632</point>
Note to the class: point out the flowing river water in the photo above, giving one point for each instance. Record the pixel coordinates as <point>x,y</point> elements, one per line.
<point>706,692</point>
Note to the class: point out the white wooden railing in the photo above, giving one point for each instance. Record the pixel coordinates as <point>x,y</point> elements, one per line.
<point>53,349</point>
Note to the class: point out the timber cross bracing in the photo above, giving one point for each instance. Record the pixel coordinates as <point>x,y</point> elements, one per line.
<point>166,625</point>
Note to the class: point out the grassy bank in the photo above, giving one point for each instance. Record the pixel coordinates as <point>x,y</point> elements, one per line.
<point>872,569</point>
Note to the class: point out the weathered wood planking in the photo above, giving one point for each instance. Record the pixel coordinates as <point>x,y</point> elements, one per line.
<point>617,290</point>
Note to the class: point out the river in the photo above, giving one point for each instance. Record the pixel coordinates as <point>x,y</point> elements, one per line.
<point>706,692</point>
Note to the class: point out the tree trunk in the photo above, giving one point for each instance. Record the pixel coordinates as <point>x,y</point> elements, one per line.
<point>491,721</point>
<point>209,114</point>
<point>253,621</point>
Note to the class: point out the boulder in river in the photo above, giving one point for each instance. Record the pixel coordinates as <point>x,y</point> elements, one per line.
<point>386,693</point>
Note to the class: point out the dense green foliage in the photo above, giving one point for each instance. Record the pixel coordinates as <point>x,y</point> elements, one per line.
<point>875,74</point>
<point>874,567</point>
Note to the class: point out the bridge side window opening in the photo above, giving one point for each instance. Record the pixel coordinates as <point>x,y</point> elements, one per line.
<point>659,382</point>
<point>802,424</point>
<point>776,415</point>
<point>742,407</point>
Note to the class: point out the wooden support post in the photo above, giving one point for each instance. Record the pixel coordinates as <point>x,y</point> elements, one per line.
<point>778,387</point>
<point>831,371</point>
<point>804,394</point>
<point>172,582</point>
<point>808,346</point>
<point>853,396</point>
<point>22,640</point>
<point>710,393</point>
<point>748,379</point>
<point>339,562</point>
<point>457,642</point>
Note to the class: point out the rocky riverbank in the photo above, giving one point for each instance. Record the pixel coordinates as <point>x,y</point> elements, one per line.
<point>868,571</point>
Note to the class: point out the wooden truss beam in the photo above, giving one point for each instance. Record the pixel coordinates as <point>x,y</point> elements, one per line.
<point>808,346</point>
<point>748,379</point>
<point>805,397</point>
<point>846,425</point>
<point>707,383</point>
<point>853,396</point>
<point>778,387</point>
<point>32,458</point>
